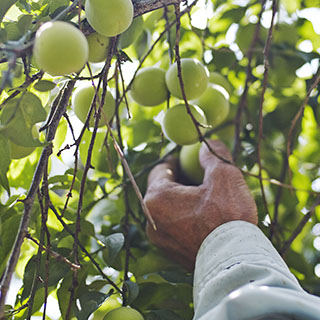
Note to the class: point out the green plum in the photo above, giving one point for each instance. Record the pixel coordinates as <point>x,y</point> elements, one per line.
<point>217,78</point>
<point>245,35</point>
<point>111,17</point>
<point>98,47</point>
<point>215,104</point>
<point>149,87</point>
<point>195,78</point>
<point>190,164</point>
<point>178,126</point>
<point>60,48</point>
<point>82,99</point>
<point>123,313</point>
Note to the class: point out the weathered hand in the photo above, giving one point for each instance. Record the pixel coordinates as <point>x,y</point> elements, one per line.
<point>185,215</point>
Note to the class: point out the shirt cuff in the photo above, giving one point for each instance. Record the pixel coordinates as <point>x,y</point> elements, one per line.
<point>233,255</point>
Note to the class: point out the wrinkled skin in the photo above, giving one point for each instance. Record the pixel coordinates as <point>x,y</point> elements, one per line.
<point>185,215</point>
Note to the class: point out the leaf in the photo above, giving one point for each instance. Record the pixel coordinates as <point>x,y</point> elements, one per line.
<point>87,231</point>
<point>132,290</point>
<point>4,7</point>
<point>24,23</point>
<point>90,301</point>
<point>298,262</point>
<point>176,277</point>
<point>44,85</point>
<point>57,270</point>
<point>22,4</point>
<point>18,117</point>
<point>54,5</point>
<point>4,162</point>
<point>142,44</point>
<point>113,244</point>
<point>107,209</point>
<point>234,14</point>
<point>9,231</point>
<point>223,57</point>
<point>162,315</point>
<point>63,294</point>
<point>32,109</point>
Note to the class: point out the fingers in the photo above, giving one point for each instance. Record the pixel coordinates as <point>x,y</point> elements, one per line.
<point>209,158</point>
<point>164,172</point>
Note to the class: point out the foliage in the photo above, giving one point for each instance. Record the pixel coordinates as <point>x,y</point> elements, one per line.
<point>82,236</point>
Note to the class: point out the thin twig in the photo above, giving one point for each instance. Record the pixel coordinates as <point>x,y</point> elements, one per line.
<point>300,226</point>
<point>316,81</point>
<point>266,52</point>
<point>83,249</point>
<point>58,257</point>
<point>243,99</point>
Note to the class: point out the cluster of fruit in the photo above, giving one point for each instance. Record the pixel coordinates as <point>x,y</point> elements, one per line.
<point>209,104</point>
<point>61,48</point>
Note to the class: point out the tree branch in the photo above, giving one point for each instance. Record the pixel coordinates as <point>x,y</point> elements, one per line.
<point>144,6</point>
<point>28,202</point>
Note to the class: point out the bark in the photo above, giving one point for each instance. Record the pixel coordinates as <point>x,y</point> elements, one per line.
<point>144,6</point>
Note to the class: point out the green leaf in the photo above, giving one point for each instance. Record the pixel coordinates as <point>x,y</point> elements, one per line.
<point>23,4</point>
<point>18,117</point>
<point>113,244</point>
<point>24,23</point>
<point>57,270</point>
<point>44,85</point>
<point>176,277</point>
<point>4,161</point>
<point>54,5</point>
<point>63,294</point>
<point>142,44</point>
<point>90,301</point>
<point>87,231</point>
<point>223,57</point>
<point>32,109</point>
<point>132,290</point>
<point>4,7</point>
<point>162,315</point>
<point>132,33</point>
<point>9,231</point>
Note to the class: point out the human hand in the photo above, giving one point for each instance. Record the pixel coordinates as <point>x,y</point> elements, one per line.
<point>185,215</point>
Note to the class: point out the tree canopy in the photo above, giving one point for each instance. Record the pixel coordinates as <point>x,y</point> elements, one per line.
<point>72,216</point>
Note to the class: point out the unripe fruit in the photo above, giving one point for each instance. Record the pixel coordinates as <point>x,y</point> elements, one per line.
<point>82,99</point>
<point>60,48</point>
<point>109,17</point>
<point>215,104</point>
<point>149,87</point>
<point>194,75</point>
<point>98,47</point>
<point>246,33</point>
<point>217,78</point>
<point>178,125</point>
<point>123,313</point>
<point>190,164</point>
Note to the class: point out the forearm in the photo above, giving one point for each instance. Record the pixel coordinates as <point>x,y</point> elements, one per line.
<point>237,255</point>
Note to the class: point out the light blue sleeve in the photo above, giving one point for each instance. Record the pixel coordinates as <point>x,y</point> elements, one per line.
<point>240,276</point>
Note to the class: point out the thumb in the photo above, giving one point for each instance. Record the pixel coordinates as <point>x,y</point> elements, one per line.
<point>164,172</point>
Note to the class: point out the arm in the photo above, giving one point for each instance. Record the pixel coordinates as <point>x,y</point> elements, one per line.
<point>215,224</point>
<point>239,275</point>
